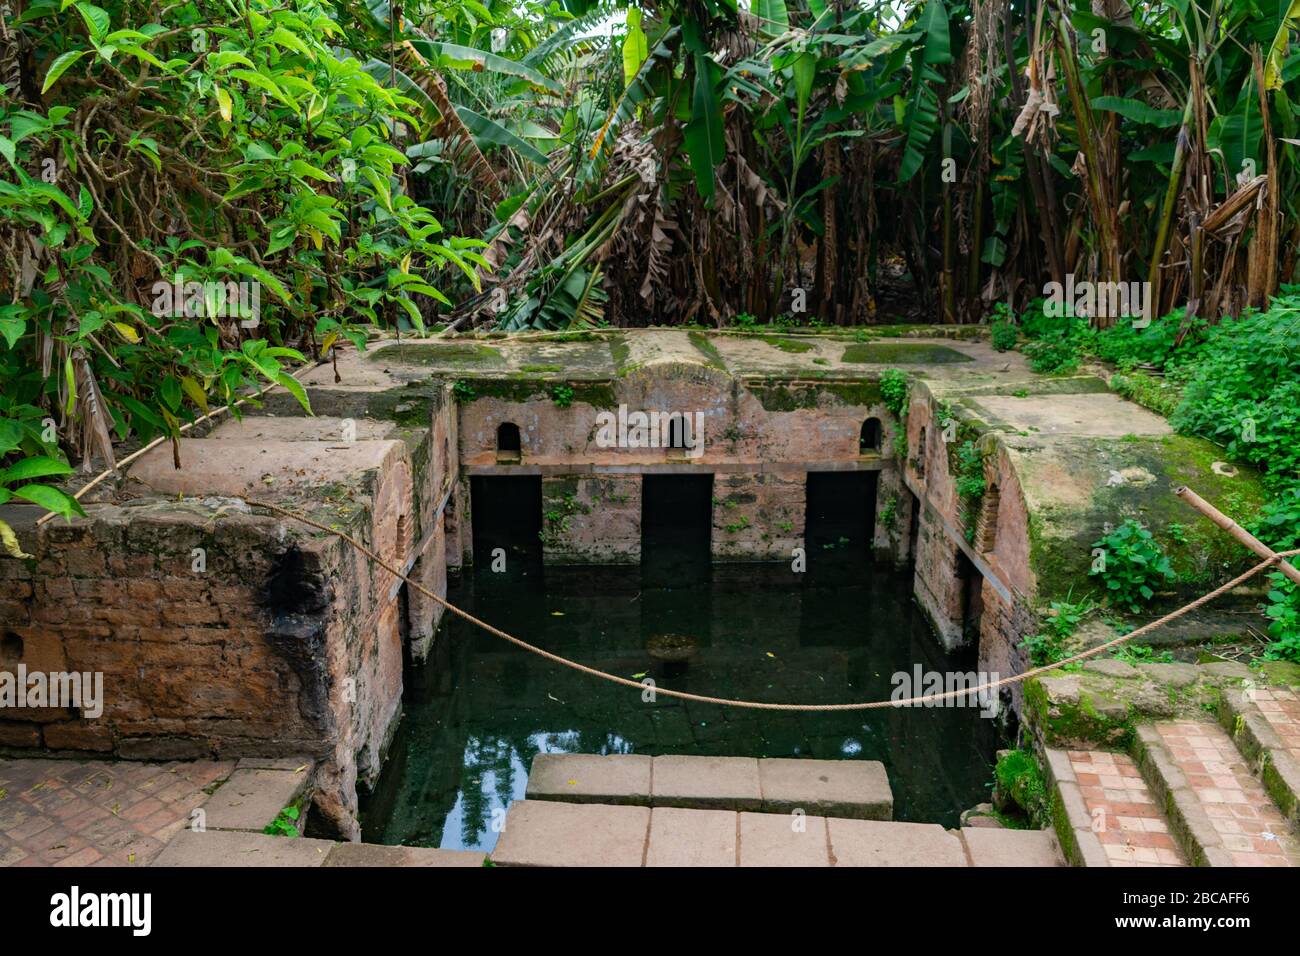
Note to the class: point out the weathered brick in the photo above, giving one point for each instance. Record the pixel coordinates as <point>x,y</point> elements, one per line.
<point>95,736</point>
<point>17,733</point>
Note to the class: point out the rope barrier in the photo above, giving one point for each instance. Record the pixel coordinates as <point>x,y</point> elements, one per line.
<point>760,705</point>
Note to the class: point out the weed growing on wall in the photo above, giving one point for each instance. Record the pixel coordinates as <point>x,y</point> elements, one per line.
<point>1131,564</point>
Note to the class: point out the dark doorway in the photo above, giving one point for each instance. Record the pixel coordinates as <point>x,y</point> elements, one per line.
<point>509,447</point>
<point>507,514</point>
<point>840,517</point>
<point>972,598</point>
<point>676,527</point>
<point>870,436</point>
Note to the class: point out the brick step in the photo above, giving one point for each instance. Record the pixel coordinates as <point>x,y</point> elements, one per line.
<point>1220,813</point>
<point>856,789</point>
<point>1105,813</point>
<point>556,833</point>
<point>1264,723</point>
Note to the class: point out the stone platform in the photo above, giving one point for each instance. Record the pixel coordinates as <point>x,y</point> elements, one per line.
<point>857,789</point>
<point>554,833</point>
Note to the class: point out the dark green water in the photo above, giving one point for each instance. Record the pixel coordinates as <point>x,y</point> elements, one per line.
<point>479,712</point>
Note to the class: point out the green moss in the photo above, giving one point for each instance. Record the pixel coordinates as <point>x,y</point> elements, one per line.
<point>541,368</point>
<point>793,346</point>
<point>704,345</point>
<point>508,389</point>
<point>785,398</point>
<point>902,353</point>
<point>1095,717</point>
<point>595,394</point>
<point>454,354</point>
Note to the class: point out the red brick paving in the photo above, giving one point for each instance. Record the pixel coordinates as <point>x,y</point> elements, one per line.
<point>1126,818</point>
<point>1281,708</point>
<point>97,813</point>
<point>1252,828</point>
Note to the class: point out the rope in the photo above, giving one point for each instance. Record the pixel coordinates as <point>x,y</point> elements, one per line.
<point>759,705</point>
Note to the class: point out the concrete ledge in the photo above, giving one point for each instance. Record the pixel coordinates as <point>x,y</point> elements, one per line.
<point>998,847</point>
<point>858,789</point>
<point>705,783</point>
<point>229,848</point>
<point>588,778</point>
<point>879,843</point>
<point>549,833</point>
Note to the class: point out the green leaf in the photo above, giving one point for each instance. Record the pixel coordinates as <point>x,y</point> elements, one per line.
<point>774,18</point>
<point>1139,112</point>
<point>58,68</point>
<point>97,21</point>
<point>9,541</point>
<point>51,499</point>
<point>487,132</point>
<point>703,135</point>
<point>39,466</point>
<point>636,48</point>
<point>294,388</point>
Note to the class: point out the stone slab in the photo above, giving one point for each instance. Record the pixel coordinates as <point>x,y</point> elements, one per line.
<point>705,783</point>
<point>779,839</point>
<point>878,843</point>
<point>590,778</point>
<point>250,799</point>
<point>263,428</point>
<point>834,788</point>
<point>231,848</point>
<point>374,854</point>
<point>988,847</point>
<point>241,467</point>
<point>550,833</point>
<point>681,837</point>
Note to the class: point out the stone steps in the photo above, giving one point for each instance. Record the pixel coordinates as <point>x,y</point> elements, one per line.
<point>1105,813</point>
<point>1219,811</point>
<point>558,833</point>
<point>1265,725</point>
<point>857,789</point>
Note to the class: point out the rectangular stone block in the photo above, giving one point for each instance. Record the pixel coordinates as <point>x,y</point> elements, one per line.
<point>691,837</point>
<point>227,848</point>
<point>549,833</point>
<point>997,847</point>
<point>590,778</point>
<point>876,843</point>
<point>250,799</point>
<point>858,789</point>
<point>705,783</point>
<point>778,839</point>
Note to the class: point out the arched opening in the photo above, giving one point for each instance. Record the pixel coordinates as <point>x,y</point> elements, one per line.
<point>870,436</point>
<point>509,447</point>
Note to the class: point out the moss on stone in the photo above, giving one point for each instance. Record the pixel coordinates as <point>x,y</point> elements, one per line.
<point>454,354</point>
<point>902,353</point>
<point>793,346</point>
<point>704,345</point>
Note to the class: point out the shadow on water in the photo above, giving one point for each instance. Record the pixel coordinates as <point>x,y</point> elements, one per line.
<point>481,709</point>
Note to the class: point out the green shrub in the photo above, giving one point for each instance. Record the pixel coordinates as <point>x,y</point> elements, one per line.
<point>1053,356</point>
<point>1048,647</point>
<point>1283,610</point>
<point>970,470</point>
<point>1244,391</point>
<point>894,391</point>
<point>1005,336</point>
<point>1132,565</point>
